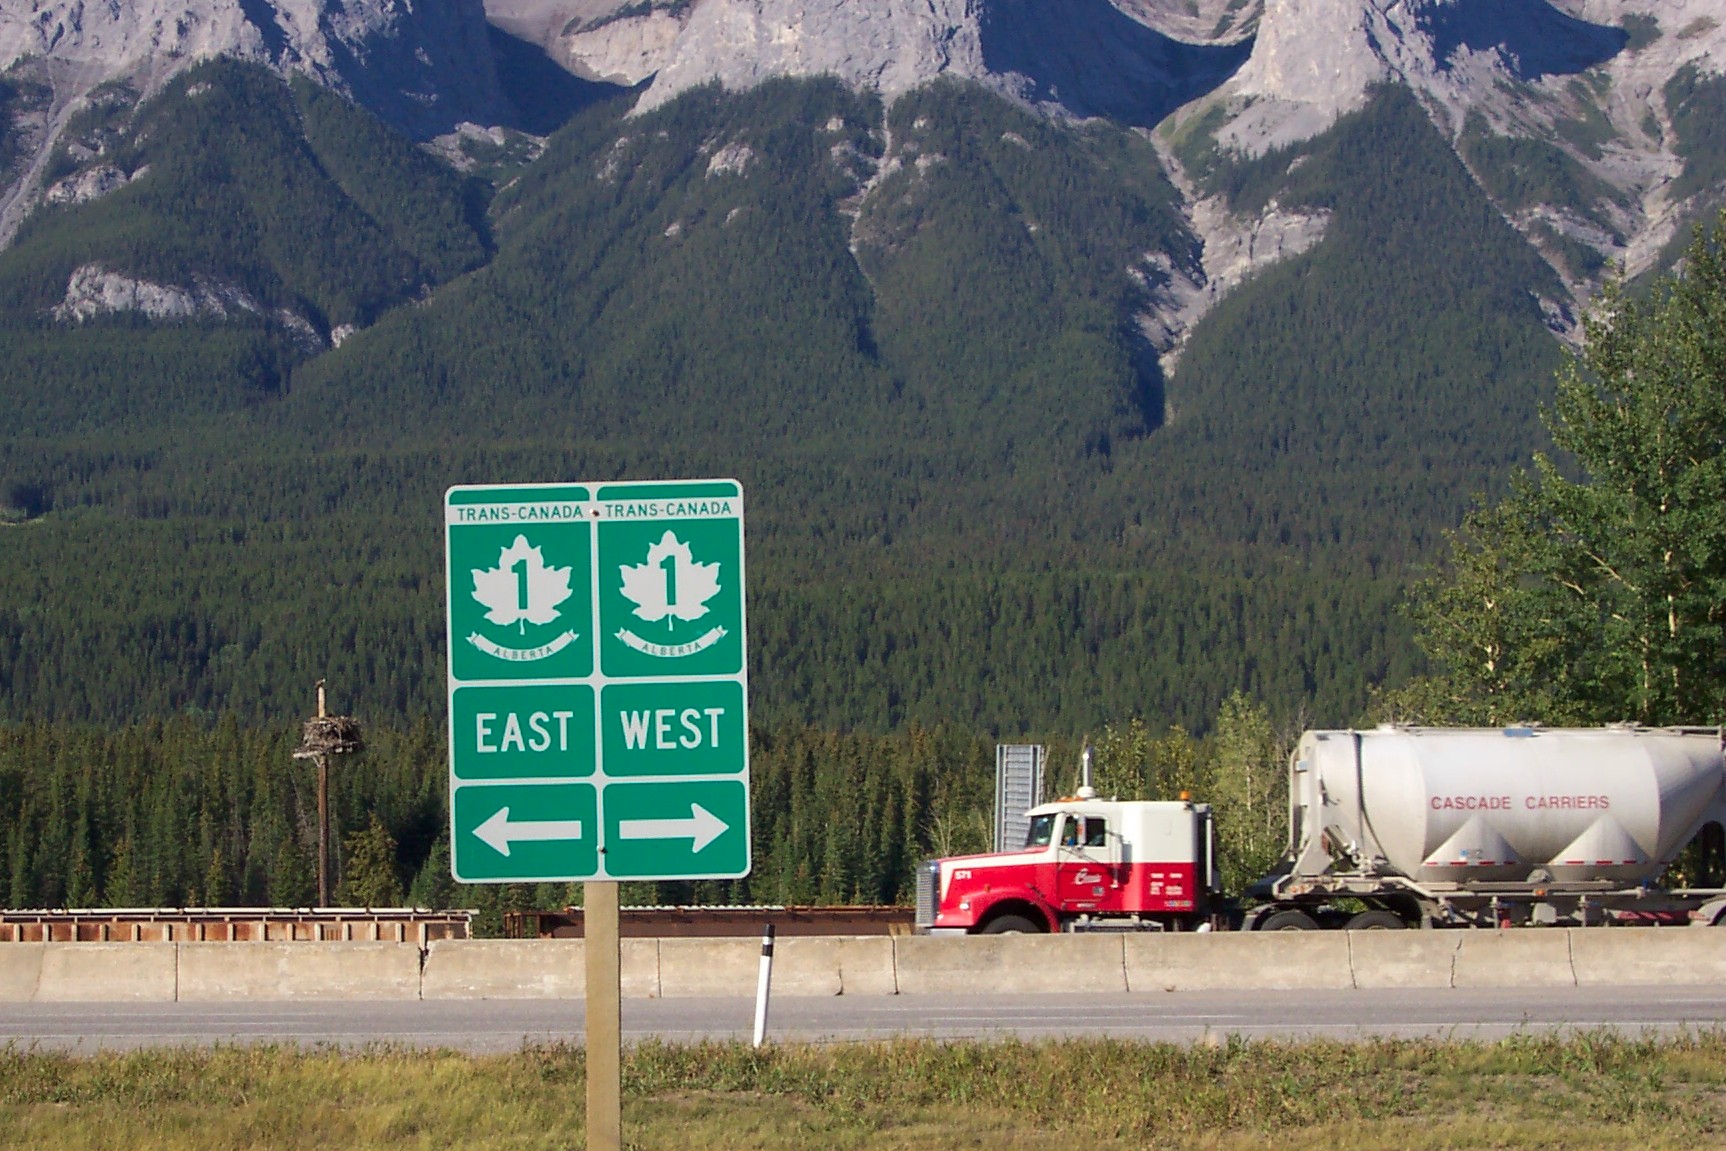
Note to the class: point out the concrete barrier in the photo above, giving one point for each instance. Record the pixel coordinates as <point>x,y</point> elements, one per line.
<point>1403,958</point>
<point>638,968</point>
<point>504,969</point>
<point>20,971</point>
<point>802,965</point>
<point>87,973</point>
<point>866,963</point>
<point>108,973</point>
<point>723,967</point>
<point>532,969</point>
<point>1621,956</point>
<point>1274,960</point>
<point>1514,957</point>
<point>1008,964</point>
<point>226,971</point>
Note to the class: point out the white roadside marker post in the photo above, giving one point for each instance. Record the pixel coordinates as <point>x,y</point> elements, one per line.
<point>761,984</point>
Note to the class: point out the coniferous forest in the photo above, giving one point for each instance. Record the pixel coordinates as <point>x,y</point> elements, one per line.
<point>978,509</point>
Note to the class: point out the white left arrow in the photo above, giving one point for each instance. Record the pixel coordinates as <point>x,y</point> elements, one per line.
<point>702,826</point>
<point>498,832</point>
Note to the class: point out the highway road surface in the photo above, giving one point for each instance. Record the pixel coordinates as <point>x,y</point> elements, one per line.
<point>507,1025</point>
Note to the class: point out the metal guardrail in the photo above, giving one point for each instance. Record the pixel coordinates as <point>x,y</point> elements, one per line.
<point>233,925</point>
<point>716,922</point>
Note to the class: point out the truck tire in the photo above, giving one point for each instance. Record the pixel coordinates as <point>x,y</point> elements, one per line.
<point>1288,920</point>
<point>1375,921</point>
<point>1011,925</point>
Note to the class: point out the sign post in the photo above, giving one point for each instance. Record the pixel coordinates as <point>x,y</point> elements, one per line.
<point>598,702</point>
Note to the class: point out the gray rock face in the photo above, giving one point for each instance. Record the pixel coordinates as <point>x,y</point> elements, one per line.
<point>94,290</point>
<point>90,184</point>
<point>1279,70</point>
<point>1514,63</point>
<point>1088,57</point>
<point>887,45</point>
<point>1085,57</point>
<point>1315,59</point>
<point>422,66</point>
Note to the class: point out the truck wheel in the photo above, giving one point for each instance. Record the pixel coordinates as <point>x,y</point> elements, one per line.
<point>1375,921</point>
<point>1010,925</point>
<point>1288,920</point>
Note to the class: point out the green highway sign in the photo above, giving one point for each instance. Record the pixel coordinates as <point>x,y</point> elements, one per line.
<point>598,696</point>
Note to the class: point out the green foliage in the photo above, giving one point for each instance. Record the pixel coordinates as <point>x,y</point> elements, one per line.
<point>1131,763</point>
<point>186,813</point>
<point>1344,401</point>
<point>1604,597</point>
<point>1523,172</point>
<point>22,93</point>
<point>1582,261</point>
<point>189,812</point>
<point>1696,105</point>
<point>1247,182</point>
<point>308,206</point>
<point>427,210</point>
<point>1591,129</point>
<point>966,510</point>
<point>369,868</point>
<point>1643,30</point>
<point>1240,770</point>
<point>1247,788</point>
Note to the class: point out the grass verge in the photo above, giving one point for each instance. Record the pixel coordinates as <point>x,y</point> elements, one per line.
<point>1589,1091</point>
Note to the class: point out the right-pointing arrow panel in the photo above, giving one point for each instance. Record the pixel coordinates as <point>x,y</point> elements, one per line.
<point>701,828</point>
<point>669,828</point>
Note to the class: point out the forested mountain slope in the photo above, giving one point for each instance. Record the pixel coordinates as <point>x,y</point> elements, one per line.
<point>1045,422</point>
<point>908,331</point>
<point>1041,428</point>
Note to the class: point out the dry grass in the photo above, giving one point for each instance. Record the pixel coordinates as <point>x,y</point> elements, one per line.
<point>1582,1093</point>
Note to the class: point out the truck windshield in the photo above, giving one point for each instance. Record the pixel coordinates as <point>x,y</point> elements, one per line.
<point>1042,827</point>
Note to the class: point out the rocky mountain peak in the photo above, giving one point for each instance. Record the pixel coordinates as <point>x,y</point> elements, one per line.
<point>1132,59</point>
<point>1316,59</point>
<point>424,67</point>
<point>421,66</point>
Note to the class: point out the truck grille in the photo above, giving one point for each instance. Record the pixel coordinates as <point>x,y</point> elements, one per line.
<point>928,885</point>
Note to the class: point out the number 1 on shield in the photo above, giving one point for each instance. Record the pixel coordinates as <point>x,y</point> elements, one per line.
<point>669,566</point>
<point>519,567</point>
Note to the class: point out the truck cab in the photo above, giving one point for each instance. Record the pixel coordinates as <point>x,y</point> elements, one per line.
<point>1088,864</point>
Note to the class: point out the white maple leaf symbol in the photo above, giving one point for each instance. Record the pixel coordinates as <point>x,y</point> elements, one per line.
<point>521,589</point>
<point>670,583</point>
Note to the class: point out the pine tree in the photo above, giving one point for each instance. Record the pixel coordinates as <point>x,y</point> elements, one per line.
<point>369,876</point>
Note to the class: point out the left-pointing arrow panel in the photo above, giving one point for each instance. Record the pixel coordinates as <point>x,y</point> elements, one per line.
<point>524,831</point>
<point>500,831</point>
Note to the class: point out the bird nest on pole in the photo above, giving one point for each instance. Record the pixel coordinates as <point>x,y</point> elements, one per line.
<point>330,735</point>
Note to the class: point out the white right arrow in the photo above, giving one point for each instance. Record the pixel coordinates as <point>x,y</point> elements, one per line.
<point>498,832</point>
<point>702,826</point>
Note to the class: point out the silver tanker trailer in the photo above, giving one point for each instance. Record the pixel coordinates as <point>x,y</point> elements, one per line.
<point>1498,827</point>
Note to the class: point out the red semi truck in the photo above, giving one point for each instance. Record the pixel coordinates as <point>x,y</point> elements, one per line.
<point>1395,827</point>
<point>1087,864</point>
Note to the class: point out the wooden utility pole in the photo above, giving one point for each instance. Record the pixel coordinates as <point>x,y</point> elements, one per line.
<point>325,735</point>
